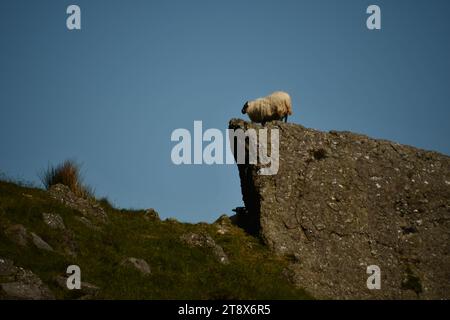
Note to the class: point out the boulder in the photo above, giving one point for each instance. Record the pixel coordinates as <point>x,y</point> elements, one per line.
<point>39,243</point>
<point>204,240</point>
<point>87,207</point>
<point>54,221</point>
<point>139,264</point>
<point>20,284</point>
<point>223,224</point>
<point>341,202</point>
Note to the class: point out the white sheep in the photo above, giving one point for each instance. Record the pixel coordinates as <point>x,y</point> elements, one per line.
<point>276,106</point>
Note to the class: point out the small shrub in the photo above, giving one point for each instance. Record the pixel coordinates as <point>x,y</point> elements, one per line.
<point>68,174</point>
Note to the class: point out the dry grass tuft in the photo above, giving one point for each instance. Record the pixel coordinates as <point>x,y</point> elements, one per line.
<point>68,174</point>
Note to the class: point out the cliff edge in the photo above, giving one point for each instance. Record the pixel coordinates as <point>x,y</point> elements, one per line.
<point>341,202</point>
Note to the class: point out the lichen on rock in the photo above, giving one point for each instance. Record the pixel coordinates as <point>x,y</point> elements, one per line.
<point>343,201</point>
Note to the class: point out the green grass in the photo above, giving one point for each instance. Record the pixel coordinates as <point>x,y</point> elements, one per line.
<point>412,282</point>
<point>178,271</point>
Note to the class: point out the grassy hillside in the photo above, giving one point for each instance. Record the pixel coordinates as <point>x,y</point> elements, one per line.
<point>178,270</point>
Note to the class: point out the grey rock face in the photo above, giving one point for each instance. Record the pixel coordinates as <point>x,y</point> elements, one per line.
<point>223,224</point>
<point>342,201</point>
<point>86,207</point>
<point>138,264</point>
<point>7,267</point>
<point>206,241</point>
<point>20,284</point>
<point>39,243</point>
<point>54,221</point>
<point>88,223</point>
<point>19,235</point>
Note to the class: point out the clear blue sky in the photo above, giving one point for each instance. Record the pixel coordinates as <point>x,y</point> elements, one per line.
<point>111,94</point>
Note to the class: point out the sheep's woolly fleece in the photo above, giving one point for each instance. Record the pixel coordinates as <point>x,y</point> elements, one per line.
<point>276,106</point>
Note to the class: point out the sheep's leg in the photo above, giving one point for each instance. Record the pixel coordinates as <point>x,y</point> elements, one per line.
<point>285,118</point>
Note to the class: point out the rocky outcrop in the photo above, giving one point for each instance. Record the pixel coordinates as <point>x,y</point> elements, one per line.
<point>18,234</point>
<point>87,207</point>
<point>204,240</point>
<point>39,242</point>
<point>138,264</point>
<point>341,202</point>
<point>54,221</point>
<point>223,224</point>
<point>17,283</point>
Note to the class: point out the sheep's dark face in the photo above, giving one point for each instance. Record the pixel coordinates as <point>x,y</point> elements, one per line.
<point>244,109</point>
